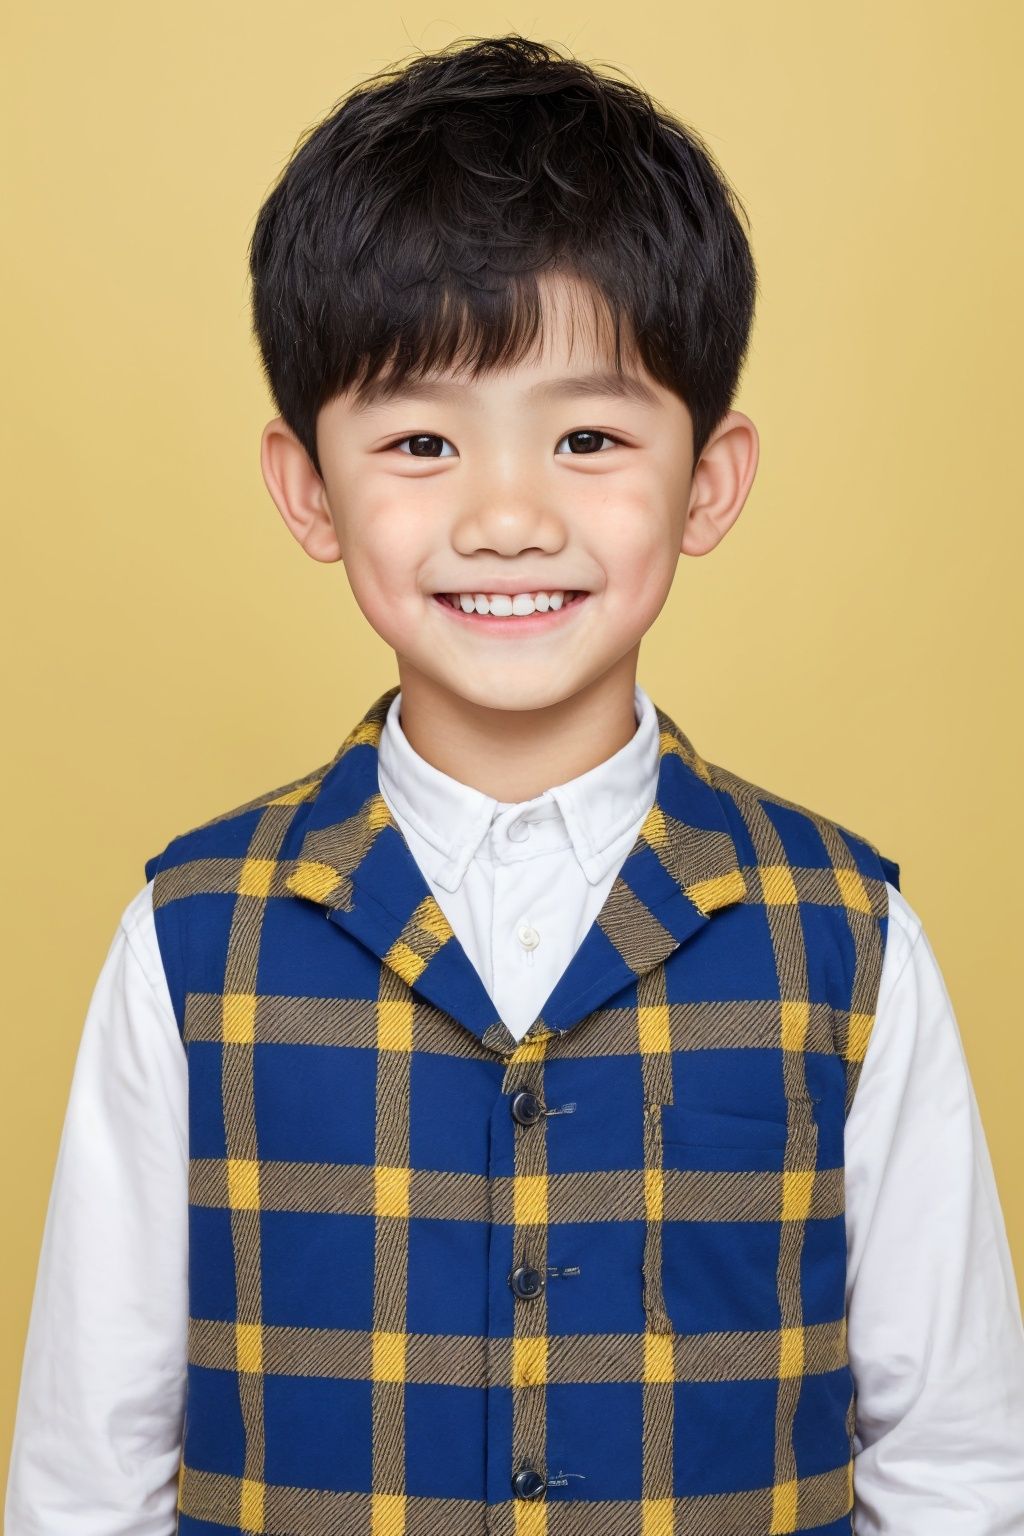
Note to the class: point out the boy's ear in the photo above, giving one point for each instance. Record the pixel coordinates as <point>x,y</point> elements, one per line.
<point>722,477</point>
<point>298,491</point>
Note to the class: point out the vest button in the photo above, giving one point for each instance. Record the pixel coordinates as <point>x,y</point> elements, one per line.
<point>526,1107</point>
<point>527,1282</point>
<point>527,1484</point>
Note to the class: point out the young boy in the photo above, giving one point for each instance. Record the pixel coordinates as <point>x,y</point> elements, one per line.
<point>518,1123</point>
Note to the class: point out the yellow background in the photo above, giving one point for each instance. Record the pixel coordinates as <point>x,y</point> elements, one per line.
<point>853,644</point>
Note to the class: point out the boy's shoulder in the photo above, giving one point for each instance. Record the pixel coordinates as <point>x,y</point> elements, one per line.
<point>229,832</point>
<point>773,828</point>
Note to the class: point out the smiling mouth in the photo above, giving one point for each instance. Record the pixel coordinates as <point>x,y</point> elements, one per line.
<point>452,599</point>
<point>510,623</point>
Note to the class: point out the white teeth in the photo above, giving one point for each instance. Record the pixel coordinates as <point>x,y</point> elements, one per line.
<point>501,605</point>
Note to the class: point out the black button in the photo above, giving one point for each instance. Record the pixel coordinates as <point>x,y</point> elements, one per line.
<point>526,1282</point>
<point>528,1483</point>
<point>526,1107</point>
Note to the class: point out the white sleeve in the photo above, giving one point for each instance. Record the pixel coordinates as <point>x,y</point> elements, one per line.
<point>935,1338</point>
<point>98,1425</point>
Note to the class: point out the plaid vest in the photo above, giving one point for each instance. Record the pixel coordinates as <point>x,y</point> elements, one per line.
<point>591,1283</point>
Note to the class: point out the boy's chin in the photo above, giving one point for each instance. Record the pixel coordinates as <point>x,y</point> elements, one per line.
<point>515,688</point>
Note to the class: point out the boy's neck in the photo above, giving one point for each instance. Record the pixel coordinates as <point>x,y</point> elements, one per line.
<point>512,754</point>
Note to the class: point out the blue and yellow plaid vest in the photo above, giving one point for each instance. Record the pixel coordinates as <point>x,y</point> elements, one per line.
<point>592,1283</point>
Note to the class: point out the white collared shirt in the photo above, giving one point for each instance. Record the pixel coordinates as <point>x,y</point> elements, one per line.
<point>934,1329</point>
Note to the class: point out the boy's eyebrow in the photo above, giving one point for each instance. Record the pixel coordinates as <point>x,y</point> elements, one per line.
<point>599,382</point>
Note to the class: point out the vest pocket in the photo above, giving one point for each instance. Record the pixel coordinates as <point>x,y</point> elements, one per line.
<point>731,1140</point>
<point>685,1126</point>
<point>717,1189</point>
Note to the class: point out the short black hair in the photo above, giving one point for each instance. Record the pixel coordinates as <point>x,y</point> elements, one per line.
<point>408,229</point>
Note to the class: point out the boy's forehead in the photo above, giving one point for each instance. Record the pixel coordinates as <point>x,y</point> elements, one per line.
<point>572,352</point>
<point>539,383</point>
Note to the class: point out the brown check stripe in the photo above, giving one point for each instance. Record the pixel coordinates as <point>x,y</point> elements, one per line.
<point>362,1192</point>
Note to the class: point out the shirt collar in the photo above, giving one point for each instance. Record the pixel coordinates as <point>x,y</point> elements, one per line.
<point>592,812</point>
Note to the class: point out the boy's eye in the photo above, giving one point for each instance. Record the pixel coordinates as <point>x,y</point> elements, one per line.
<point>423,445</point>
<point>587,439</point>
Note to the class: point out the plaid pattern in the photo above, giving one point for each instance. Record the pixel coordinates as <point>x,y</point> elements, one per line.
<point>403,1291</point>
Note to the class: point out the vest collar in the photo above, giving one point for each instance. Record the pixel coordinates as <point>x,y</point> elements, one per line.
<point>355,863</point>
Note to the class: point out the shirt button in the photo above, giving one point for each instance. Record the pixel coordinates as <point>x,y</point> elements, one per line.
<point>528,936</point>
<point>518,831</point>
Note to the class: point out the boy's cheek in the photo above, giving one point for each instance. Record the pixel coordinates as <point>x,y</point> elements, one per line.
<point>394,611</point>
<point>641,568</point>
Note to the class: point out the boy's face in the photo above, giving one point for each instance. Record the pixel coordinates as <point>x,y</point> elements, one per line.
<point>531,480</point>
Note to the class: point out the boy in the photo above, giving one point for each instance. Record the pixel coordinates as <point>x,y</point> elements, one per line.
<point>578,1137</point>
